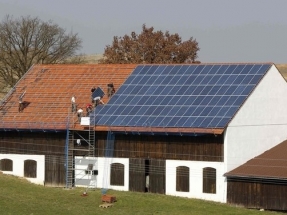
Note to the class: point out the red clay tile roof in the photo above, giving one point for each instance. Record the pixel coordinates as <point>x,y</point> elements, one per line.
<point>49,89</point>
<point>272,164</point>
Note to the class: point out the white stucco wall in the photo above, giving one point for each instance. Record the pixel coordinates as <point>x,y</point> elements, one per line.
<point>196,180</point>
<point>102,180</point>
<point>260,124</point>
<point>81,178</point>
<point>18,166</point>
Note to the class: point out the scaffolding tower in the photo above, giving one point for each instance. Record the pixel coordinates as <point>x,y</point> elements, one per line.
<point>89,152</point>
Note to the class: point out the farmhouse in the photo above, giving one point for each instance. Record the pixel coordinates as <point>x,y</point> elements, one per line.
<point>171,129</point>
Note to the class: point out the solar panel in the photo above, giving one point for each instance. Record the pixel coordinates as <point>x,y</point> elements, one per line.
<point>198,96</point>
<point>98,92</point>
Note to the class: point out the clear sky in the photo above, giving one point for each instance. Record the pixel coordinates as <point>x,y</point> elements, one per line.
<point>226,30</point>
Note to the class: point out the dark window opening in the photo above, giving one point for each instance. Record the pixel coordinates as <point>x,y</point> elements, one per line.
<point>6,165</point>
<point>93,172</point>
<point>209,180</point>
<point>90,170</point>
<point>117,174</point>
<point>182,179</point>
<point>30,169</point>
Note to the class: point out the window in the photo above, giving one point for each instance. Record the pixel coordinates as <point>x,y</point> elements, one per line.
<point>209,180</point>
<point>117,174</point>
<point>30,169</point>
<point>90,170</point>
<point>6,165</point>
<point>182,179</point>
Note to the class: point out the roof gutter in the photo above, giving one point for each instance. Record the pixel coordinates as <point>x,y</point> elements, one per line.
<point>160,129</point>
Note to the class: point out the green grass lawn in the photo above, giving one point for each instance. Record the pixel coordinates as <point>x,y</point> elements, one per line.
<point>18,196</point>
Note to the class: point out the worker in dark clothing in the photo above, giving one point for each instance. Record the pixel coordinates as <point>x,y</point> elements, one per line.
<point>21,105</point>
<point>111,89</point>
<point>93,89</point>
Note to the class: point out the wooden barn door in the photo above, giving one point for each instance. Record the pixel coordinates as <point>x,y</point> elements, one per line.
<point>157,176</point>
<point>55,172</point>
<point>137,175</point>
<point>117,174</point>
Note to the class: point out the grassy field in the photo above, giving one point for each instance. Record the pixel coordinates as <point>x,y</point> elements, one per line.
<point>18,196</point>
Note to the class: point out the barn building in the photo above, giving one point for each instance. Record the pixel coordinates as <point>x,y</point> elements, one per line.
<point>261,182</point>
<point>171,129</point>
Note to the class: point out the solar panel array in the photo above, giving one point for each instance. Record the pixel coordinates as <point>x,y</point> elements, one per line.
<point>197,96</point>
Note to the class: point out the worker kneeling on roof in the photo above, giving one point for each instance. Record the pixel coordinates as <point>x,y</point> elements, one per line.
<point>98,101</point>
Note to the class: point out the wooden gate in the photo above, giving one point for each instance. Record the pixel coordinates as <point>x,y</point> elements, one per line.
<point>117,174</point>
<point>137,175</point>
<point>157,176</point>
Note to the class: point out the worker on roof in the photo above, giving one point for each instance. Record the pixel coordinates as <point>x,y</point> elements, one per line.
<point>73,102</point>
<point>111,89</point>
<point>98,100</point>
<point>89,109</point>
<point>21,105</point>
<point>80,114</point>
<point>93,89</point>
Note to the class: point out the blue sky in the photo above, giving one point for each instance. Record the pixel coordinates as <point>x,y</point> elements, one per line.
<point>226,30</point>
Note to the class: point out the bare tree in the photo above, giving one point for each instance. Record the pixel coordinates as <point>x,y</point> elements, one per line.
<point>151,47</point>
<point>26,41</point>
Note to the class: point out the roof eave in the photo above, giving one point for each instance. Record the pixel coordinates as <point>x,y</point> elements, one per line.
<point>160,129</point>
<point>255,177</point>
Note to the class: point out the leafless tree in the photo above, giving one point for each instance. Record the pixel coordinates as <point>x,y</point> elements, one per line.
<point>151,47</point>
<point>26,41</point>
